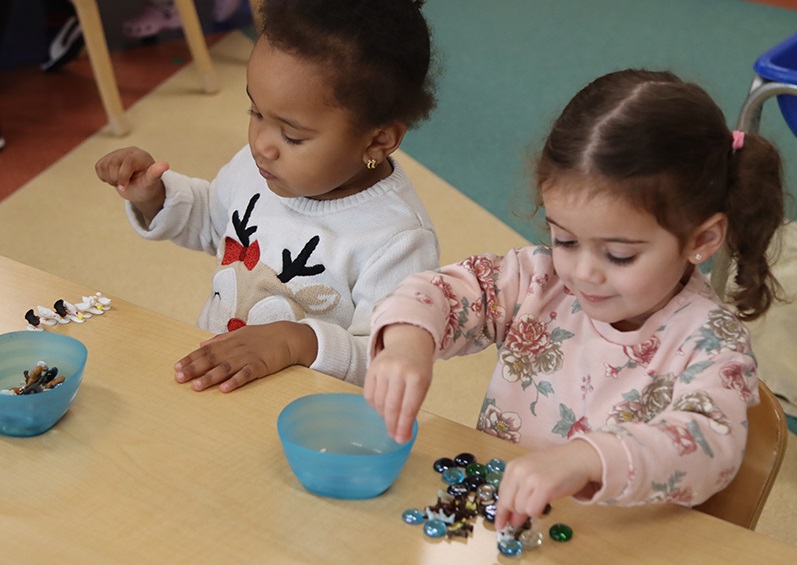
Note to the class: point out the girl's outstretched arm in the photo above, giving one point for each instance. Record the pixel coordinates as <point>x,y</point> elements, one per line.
<point>399,377</point>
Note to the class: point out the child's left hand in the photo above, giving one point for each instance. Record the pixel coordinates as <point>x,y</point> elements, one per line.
<point>532,481</point>
<point>233,359</point>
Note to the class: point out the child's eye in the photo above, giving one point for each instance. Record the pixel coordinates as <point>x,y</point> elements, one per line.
<point>621,260</point>
<point>565,243</point>
<point>254,113</point>
<point>291,140</point>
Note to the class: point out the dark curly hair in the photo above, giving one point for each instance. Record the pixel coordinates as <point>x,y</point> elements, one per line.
<point>663,145</point>
<point>378,53</point>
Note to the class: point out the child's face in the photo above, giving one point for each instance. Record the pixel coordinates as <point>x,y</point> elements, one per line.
<point>617,260</point>
<point>303,144</point>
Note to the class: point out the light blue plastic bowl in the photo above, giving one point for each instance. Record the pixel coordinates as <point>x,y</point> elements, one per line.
<point>34,414</point>
<point>337,446</point>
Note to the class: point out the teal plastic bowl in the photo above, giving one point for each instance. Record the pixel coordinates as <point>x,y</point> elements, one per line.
<point>34,414</point>
<point>337,446</point>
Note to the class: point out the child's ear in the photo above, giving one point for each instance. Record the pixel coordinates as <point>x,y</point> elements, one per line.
<point>384,141</point>
<point>707,238</point>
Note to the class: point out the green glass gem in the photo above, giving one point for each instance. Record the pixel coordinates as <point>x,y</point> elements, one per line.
<point>494,478</point>
<point>561,532</point>
<point>476,470</point>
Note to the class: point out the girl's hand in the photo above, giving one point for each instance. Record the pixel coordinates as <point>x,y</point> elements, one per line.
<point>532,481</point>
<point>233,359</point>
<point>136,177</point>
<point>399,377</point>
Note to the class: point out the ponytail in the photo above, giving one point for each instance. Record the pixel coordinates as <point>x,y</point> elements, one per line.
<point>755,209</point>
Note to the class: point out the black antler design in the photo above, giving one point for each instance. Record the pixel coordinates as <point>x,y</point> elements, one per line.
<point>299,268</point>
<point>240,226</point>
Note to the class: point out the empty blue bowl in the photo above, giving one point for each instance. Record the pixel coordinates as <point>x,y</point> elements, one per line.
<point>337,446</point>
<point>34,414</point>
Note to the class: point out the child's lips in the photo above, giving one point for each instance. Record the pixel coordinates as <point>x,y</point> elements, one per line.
<point>265,174</point>
<point>594,298</point>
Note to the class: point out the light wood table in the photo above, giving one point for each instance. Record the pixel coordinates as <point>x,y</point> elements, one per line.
<point>144,470</point>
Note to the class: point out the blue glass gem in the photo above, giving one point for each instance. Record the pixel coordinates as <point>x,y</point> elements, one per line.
<point>510,547</point>
<point>476,470</point>
<point>453,475</point>
<point>561,532</point>
<point>435,528</point>
<point>474,482</point>
<point>496,465</point>
<point>465,459</point>
<point>494,478</point>
<point>413,516</point>
<point>444,463</point>
<point>458,489</point>
<point>489,512</point>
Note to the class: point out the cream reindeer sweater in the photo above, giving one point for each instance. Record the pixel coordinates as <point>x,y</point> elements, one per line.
<point>324,263</point>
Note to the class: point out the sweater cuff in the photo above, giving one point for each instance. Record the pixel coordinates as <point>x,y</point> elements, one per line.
<point>615,463</point>
<point>178,195</point>
<point>338,354</point>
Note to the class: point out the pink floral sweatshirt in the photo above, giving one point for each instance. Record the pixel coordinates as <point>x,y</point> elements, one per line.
<point>665,406</point>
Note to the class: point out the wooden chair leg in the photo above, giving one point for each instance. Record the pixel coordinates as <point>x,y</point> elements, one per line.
<point>97,46</point>
<point>196,43</point>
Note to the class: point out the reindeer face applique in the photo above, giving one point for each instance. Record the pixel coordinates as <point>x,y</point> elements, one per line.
<point>247,291</point>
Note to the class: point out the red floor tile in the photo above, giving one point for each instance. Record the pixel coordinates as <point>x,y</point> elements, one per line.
<point>44,115</point>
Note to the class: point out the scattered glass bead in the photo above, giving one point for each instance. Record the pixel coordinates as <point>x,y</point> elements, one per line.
<point>494,478</point>
<point>510,547</point>
<point>476,470</point>
<point>496,465</point>
<point>530,539</point>
<point>458,489</point>
<point>489,512</point>
<point>486,494</point>
<point>465,459</point>
<point>435,528</point>
<point>453,475</point>
<point>444,463</point>
<point>413,516</point>
<point>561,532</point>
<point>473,482</point>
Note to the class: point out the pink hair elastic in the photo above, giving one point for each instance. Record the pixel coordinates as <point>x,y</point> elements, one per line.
<point>738,140</point>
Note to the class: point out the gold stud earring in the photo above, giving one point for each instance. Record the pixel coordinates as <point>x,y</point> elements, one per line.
<point>698,257</point>
<point>371,164</point>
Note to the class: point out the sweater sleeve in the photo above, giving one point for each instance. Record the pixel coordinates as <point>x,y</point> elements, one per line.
<point>694,446</point>
<point>194,213</point>
<point>469,305</point>
<point>342,352</point>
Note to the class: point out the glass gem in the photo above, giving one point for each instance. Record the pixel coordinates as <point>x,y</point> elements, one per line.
<point>474,482</point>
<point>413,516</point>
<point>489,512</point>
<point>458,489</point>
<point>561,532</point>
<point>486,494</point>
<point>465,459</point>
<point>510,547</point>
<point>453,475</point>
<point>476,470</point>
<point>530,539</point>
<point>496,465</point>
<point>435,528</point>
<point>494,478</point>
<point>444,463</point>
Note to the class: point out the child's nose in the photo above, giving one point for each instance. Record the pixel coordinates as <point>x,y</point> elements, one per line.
<point>266,144</point>
<point>588,269</point>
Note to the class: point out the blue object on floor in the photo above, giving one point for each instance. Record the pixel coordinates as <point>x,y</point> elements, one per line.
<point>779,65</point>
<point>791,421</point>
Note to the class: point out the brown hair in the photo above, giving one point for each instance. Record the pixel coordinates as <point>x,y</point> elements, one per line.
<point>378,53</point>
<point>663,145</point>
